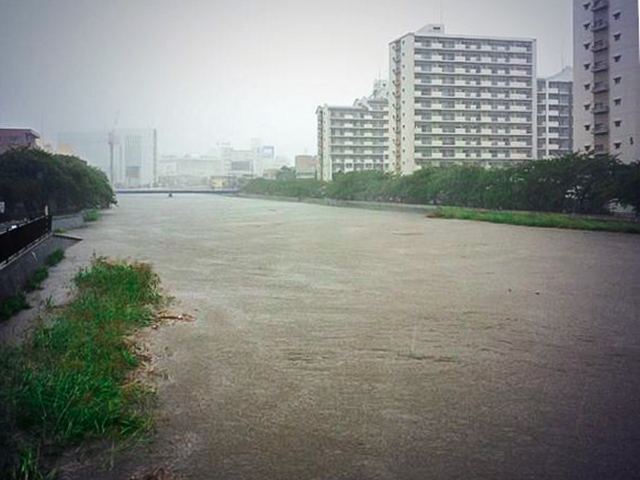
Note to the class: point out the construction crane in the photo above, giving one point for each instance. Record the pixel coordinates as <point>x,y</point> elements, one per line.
<point>113,140</point>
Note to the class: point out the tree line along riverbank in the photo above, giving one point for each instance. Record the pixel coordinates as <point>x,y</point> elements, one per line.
<point>33,179</point>
<point>583,184</point>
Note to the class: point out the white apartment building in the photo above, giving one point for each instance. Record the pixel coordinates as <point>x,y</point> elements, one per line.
<point>555,114</point>
<point>461,99</point>
<point>607,77</point>
<point>354,138</point>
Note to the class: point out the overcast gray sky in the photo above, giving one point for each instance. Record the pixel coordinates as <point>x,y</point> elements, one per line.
<point>208,71</point>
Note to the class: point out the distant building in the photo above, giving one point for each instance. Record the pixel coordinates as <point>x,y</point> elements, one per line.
<point>354,138</point>
<point>306,166</point>
<point>134,154</point>
<point>271,173</point>
<point>555,114</point>
<point>179,171</point>
<point>458,99</point>
<point>17,138</point>
<point>606,59</point>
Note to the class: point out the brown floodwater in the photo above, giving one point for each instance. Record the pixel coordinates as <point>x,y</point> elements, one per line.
<point>335,343</point>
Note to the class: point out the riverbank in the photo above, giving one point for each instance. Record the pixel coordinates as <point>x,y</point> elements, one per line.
<point>383,206</point>
<point>539,219</point>
<point>530,219</point>
<point>73,380</point>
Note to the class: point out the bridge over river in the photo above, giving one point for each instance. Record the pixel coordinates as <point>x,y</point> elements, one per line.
<point>338,343</point>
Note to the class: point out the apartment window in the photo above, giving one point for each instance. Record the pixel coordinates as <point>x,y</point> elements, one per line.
<point>587,127</point>
<point>617,145</point>
<point>617,80</point>
<point>586,6</point>
<point>617,102</point>
<point>586,107</point>
<point>586,86</point>
<point>587,45</point>
<point>616,16</point>
<point>617,37</point>
<point>617,58</point>
<point>586,66</point>
<point>618,123</point>
<point>586,25</point>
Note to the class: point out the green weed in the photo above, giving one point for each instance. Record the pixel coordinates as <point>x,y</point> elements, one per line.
<point>91,216</point>
<point>12,305</point>
<point>55,258</point>
<point>36,280</point>
<point>71,382</point>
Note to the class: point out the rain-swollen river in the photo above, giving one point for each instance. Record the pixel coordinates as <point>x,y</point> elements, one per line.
<point>336,343</point>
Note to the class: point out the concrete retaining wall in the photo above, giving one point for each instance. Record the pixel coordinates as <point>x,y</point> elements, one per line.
<point>68,222</point>
<point>386,206</point>
<point>15,274</point>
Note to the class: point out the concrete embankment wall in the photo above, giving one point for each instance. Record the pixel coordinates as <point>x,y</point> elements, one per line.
<point>386,206</point>
<point>68,222</point>
<point>15,274</point>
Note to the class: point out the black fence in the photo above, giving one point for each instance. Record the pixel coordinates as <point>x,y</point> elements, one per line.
<point>14,240</point>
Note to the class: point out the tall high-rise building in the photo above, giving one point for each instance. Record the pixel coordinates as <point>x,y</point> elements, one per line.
<point>134,153</point>
<point>461,99</point>
<point>354,138</point>
<point>555,114</point>
<point>606,57</point>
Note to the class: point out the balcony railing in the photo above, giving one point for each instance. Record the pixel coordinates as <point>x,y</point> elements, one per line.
<point>599,46</point>
<point>603,130</point>
<point>599,5</point>
<point>600,67</point>
<point>601,109</point>
<point>599,25</point>
<point>599,88</point>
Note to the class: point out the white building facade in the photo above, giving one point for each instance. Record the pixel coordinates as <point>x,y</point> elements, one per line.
<point>555,114</point>
<point>354,138</point>
<point>461,99</point>
<point>606,53</point>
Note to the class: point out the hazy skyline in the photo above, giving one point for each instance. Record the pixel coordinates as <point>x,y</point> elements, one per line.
<point>204,72</point>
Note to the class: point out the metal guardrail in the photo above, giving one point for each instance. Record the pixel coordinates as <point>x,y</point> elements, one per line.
<point>15,240</point>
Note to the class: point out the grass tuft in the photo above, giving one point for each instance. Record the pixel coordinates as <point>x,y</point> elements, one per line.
<point>71,382</point>
<point>91,216</point>
<point>13,305</point>
<point>55,258</point>
<point>553,220</point>
<point>36,280</point>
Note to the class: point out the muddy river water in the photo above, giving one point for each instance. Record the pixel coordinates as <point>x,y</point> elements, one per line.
<point>335,343</point>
